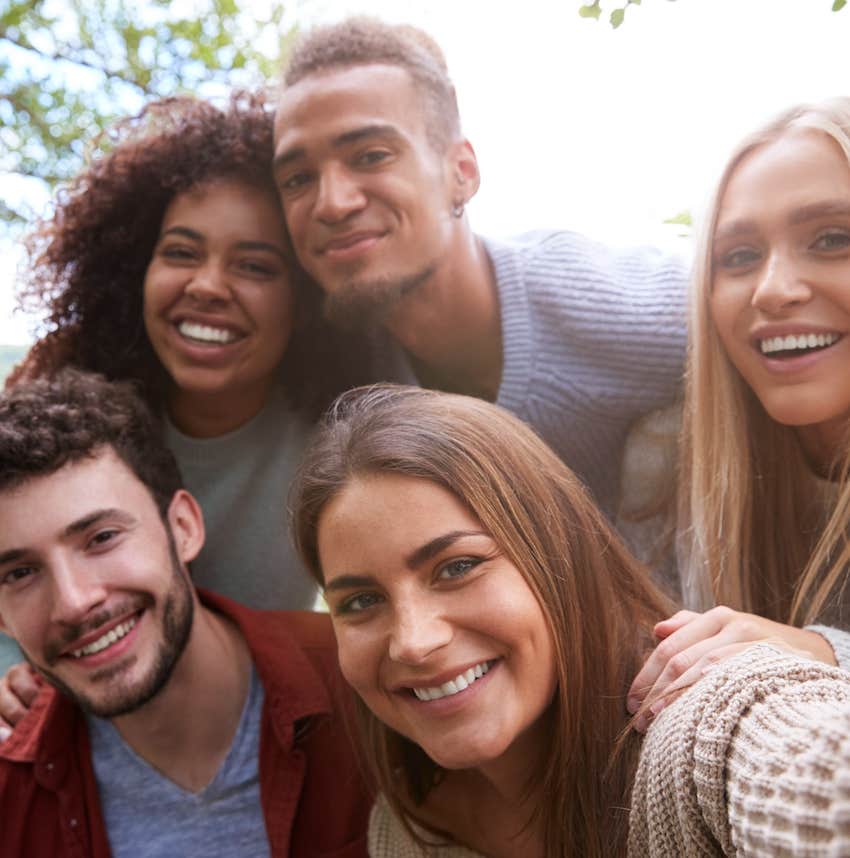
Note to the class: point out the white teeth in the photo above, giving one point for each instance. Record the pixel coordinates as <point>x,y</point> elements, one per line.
<point>105,640</point>
<point>793,342</point>
<point>205,333</point>
<point>453,686</point>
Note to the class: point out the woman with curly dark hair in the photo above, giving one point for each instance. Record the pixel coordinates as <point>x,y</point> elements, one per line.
<point>166,261</point>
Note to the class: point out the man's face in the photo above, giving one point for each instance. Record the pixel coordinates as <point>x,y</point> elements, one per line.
<point>93,583</point>
<point>367,197</point>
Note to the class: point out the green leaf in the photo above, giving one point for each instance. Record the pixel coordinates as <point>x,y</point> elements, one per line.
<point>682,219</point>
<point>590,11</point>
<point>617,17</point>
<point>838,5</point>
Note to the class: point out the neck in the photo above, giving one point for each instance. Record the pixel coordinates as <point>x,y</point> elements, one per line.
<point>187,729</point>
<point>210,415</point>
<point>824,445</point>
<point>451,328</point>
<point>490,808</point>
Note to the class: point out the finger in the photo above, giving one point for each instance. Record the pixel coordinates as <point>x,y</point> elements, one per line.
<point>23,683</point>
<point>672,624</point>
<point>654,704</point>
<point>699,628</point>
<point>11,708</point>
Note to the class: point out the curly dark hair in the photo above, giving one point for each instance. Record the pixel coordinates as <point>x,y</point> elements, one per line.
<point>87,262</point>
<point>362,40</point>
<point>47,423</point>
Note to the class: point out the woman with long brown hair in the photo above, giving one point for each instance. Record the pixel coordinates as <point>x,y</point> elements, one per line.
<point>490,621</point>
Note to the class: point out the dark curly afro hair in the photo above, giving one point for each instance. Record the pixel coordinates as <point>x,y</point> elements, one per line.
<point>87,262</point>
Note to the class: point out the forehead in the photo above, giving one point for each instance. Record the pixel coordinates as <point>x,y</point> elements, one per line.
<point>230,210</point>
<point>801,167</point>
<point>41,508</point>
<point>327,104</point>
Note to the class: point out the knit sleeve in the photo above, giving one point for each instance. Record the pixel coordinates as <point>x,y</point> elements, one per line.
<point>753,760</point>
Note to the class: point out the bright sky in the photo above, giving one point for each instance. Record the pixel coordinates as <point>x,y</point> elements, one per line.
<point>603,131</point>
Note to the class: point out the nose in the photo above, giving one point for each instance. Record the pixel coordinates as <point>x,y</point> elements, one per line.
<point>339,196</point>
<point>418,630</point>
<point>209,284</point>
<point>780,285</point>
<point>76,591</point>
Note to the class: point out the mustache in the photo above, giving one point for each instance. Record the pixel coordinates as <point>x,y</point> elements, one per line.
<point>56,646</point>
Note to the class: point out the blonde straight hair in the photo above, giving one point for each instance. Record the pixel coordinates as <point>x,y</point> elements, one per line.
<point>751,533</point>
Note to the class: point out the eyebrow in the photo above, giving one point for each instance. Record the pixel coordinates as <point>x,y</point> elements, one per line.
<point>344,139</point>
<point>827,208</point>
<point>75,527</point>
<point>240,245</point>
<point>416,558</point>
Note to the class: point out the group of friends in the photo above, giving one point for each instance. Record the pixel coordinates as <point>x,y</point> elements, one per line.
<point>278,362</point>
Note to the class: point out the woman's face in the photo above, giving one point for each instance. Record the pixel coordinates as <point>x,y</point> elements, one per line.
<point>437,630</point>
<point>218,301</point>
<point>780,297</point>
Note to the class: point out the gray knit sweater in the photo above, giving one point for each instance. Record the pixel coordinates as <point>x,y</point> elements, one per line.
<point>754,760</point>
<point>592,339</point>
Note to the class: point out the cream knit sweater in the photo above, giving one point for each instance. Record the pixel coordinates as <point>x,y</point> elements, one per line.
<point>754,760</point>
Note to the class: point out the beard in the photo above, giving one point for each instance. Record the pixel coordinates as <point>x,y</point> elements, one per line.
<point>120,698</point>
<point>360,305</point>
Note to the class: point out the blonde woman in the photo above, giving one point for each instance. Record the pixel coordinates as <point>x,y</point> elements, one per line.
<point>764,500</point>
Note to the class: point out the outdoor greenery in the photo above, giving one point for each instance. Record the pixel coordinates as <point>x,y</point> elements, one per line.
<point>617,15</point>
<point>9,356</point>
<point>70,67</point>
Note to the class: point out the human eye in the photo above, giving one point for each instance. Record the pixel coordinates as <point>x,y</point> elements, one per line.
<point>177,252</point>
<point>16,575</point>
<point>372,157</point>
<point>357,603</point>
<point>458,568</point>
<point>103,539</point>
<point>257,268</point>
<point>832,240</point>
<point>737,259</point>
<point>293,182</point>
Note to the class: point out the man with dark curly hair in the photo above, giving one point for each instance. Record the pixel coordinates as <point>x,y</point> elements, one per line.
<point>374,175</point>
<point>171,717</point>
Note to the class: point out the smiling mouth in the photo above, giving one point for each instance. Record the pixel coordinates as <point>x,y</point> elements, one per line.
<point>454,686</point>
<point>206,334</point>
<point>106,640</point>
<point>795,345</point>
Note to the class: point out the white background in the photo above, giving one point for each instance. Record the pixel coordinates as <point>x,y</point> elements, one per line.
<point>604,131</point>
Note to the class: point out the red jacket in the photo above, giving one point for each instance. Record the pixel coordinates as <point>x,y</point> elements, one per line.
<point>314,801</point>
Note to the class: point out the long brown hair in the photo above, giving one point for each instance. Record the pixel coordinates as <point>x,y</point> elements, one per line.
<point>751,530</point>
<point>598,602</point>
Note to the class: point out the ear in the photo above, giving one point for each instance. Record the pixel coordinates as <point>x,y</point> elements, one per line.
<point>187,525</point>
<point>465,175</point>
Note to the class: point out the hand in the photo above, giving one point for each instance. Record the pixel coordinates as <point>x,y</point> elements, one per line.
<point>692,644</point>
<point>18,689</point>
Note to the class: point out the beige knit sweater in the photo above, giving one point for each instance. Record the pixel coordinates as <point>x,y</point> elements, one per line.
<point>754,760</point>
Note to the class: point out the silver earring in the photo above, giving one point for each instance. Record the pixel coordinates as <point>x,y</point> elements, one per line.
<point>457,209</point>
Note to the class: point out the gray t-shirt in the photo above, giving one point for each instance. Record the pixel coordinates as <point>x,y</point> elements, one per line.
<point>148,816</point>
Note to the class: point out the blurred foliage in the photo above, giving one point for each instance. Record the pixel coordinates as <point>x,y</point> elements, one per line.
<point>70,67</point>
<point>617,15</point>
<point>9,356</point>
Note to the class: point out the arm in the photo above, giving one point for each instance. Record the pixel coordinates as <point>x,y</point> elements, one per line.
<point>753,760</point>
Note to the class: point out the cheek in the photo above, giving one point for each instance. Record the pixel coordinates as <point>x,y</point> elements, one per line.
<point>359,658</point>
